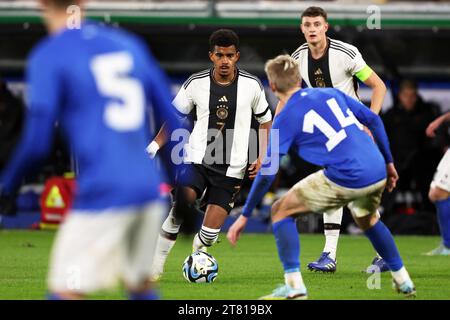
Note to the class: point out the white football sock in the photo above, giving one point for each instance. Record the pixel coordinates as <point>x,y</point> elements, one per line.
<point>163,247</point>
<point>332,236</point>
<point>206,237</point>
<point>401,275</point>
<point>197,244</point>
<point>331,241</point>
<point>294,280</point>
<point>169,224</point>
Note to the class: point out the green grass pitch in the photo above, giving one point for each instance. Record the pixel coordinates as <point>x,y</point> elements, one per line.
<point>247,271</point>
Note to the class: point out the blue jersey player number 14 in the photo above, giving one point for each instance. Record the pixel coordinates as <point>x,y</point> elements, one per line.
<point>313,119</point>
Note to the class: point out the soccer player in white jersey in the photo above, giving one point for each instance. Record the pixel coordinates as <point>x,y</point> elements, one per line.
<point>326,62</point>
<point>225,98</point>
<point>440,191</point>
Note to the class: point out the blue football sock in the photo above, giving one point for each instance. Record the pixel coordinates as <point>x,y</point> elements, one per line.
<point>384,244</point>
<point>288,244</point>
<point>443,214</point>
<point>145,295</point>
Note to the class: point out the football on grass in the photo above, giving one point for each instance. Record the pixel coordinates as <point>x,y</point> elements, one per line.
<point>200,267</point>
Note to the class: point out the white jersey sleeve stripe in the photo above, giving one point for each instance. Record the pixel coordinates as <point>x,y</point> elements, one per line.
<point>343,46</point>
<point>250,76</point>
<point>342,50</point>
<point>198,75</point>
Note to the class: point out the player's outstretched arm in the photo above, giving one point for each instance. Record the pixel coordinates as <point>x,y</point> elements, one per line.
<point>234,233</point>
<point>280,140</point>
<point>264,133</point>
<point>32,148</point>
<point>259,188</point>
<point>378,92</point>
<point>159,141</point>
<point>434,125</point>
<point>392,177</point>
<point>165,112</point>
<point>44,94</point>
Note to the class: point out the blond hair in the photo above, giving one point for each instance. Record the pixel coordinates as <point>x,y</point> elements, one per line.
<point>283,72</point>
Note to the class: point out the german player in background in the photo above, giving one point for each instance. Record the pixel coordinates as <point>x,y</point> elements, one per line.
<point>326,128</point>
<point>440,191</point>
<point>326,62</point>
<point>96,83</point>
<point>225,98</point>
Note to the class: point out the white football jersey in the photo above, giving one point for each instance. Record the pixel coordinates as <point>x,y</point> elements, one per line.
<point>336,68</point>
<point>220,138</point>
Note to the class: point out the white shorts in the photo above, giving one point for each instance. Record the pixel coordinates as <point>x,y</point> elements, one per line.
<point>95,250</point>
<point>442,176</point>
<point>320,194</point>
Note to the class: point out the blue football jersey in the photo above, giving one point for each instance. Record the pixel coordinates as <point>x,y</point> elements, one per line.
<point>96,83</point>
<point>326,128</point>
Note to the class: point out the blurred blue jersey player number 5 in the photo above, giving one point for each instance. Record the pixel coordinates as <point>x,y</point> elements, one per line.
<point>96,83</point>
<point>108,69</point>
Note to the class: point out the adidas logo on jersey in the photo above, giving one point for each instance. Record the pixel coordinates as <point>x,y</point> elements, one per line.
<point>318,72</point>
<point>223,99</point>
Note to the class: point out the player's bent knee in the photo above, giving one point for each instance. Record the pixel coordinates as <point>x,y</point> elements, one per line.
<point>171,226</point>
<point>185,202</point>
<point>279,210</point>
<point>168,235</point>
<point>438,194</point>
<point>288,206</point>
<point>185,196</point>
<point>368,221</point>
<point>275,210</point>
<point>275,206</point>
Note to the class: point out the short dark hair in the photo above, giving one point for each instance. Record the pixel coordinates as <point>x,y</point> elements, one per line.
<point>314,12</point>
<point>223,38</point>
